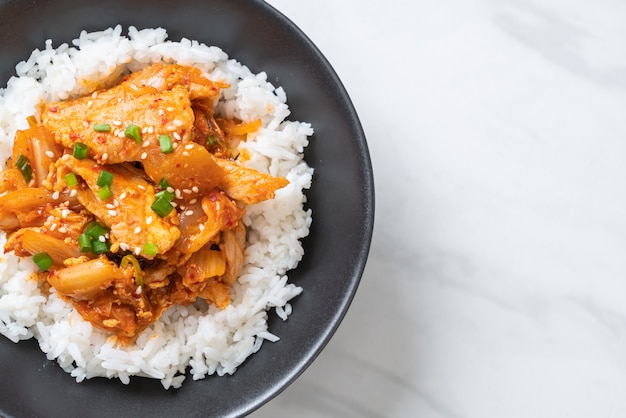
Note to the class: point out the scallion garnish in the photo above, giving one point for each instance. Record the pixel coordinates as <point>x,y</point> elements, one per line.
<point>21,161</point>
<point>95,230</point>
<point>84,243</point>
<point>168,195</point>
<point>23,164</point>
<point>43,261</point>
<point>131,259</point>
<point>210,139</point>
<point>102,127</point>
<point>71,180</point>
<point>166,144</point>
<point>100,247</point>
<point>132,131</point>
<point>162,206</point>
<point>94,239</point>
<point>163,183</point>
<point>150,249</point>
<point>104,178</point>
<point>80,151</point>
<point>105,192</point>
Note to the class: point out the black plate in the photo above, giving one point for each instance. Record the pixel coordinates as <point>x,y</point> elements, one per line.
<point>342,200</point>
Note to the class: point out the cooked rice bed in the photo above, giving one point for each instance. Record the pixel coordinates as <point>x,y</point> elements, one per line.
<point>201,339</point>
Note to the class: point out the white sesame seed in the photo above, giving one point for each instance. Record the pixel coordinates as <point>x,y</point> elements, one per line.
<point>144,155</point>
<point>170,109</point>
<point>105,156</point>
<point>137,230</point>
<point>193,201</point>
<point>89,104</point>
<point>116,203</point>
<point>49,154</point>
<point>171,128</point>
<point>195,189</point>
<point>117,123</point>
<point>112,212</point>
<point>189,146</point>
<point>63,230</point>
<point>55,195</point>
<point>123,196</point>
<point>144,130</point>
<point>177,122</point>
<point>189,213</point>
<point>201,227</point>
<point>120,134</point>
<point>138,291</point>
<point>145,144</point>
<point>86,124</point>
<point>185,154</point>
<point>186,191</point>
<point>177,136</point>
<point>64,213</point>
<point>65,157</point>
<point>149,220</point>
<point>141,187</point>
<point>124,246</point>
<point>161,112</point>
<point>94,95</point>
<point>73,193</point>
<point>50,218</point>
<point>53,227</point>
<point>175,145</point>
<point>170,189</point>
<point>178,194</point>
<point>150,129</point>
<point>102,238</point>
<point>138,250</point>
<point>174,204</point>
<point>110,206</point>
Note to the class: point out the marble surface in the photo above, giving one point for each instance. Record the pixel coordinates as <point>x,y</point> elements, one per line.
<point>496,280</point>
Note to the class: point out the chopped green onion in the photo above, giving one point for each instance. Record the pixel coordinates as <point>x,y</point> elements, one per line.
<point>100,247</point>
<point>150,249</point>
<point>102,127</point>
<point>132,131</point>
<point>105,192</point>
<point>27,172</point>
<point>23,164</point>
<point>43,261</point>
<point>95,230</point>
<point>71,180</point>
<point>84,243</point>
<point>163,183</point>
<point>104,178</point>
<point>129,258</point>
<point>21,161</point>
<point>162,206</point>
<point>168,195</point>
<point>80,151</point>
<point>166,144</point>
<point>210,139</point>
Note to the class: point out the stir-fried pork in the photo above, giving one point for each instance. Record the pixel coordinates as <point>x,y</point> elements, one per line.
<point>129,200</point>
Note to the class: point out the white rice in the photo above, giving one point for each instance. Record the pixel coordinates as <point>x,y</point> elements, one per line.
<point>200,339</point>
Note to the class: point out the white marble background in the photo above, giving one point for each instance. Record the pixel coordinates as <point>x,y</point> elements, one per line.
<point>496,280</point>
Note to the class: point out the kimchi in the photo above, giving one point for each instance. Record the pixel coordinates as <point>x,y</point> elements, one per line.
<point>130,200</point>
